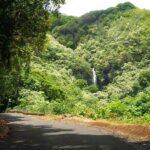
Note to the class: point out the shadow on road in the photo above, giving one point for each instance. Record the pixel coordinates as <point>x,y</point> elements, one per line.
<point>31,134</point>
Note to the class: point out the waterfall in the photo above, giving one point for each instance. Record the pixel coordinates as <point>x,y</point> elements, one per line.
<point>94,77</point>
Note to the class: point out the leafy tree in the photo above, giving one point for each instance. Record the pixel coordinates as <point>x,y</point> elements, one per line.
<point>23,23</point>
<point>23,28</point>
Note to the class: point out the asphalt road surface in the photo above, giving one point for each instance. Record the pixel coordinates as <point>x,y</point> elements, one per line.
<point>30,133</point>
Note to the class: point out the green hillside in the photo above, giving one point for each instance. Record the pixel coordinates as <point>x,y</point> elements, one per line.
<point>116,43</point>
<point>70,31</point>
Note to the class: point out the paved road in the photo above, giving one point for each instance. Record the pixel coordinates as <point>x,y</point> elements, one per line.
<point>30,133</point>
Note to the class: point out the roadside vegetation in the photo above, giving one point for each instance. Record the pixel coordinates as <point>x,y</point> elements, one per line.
<point>57,77</point>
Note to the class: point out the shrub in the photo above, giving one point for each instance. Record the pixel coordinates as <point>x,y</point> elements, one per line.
<point>32,101</point>
<point>81,83</point>
<point>92,88</point>
<point>144,78</point>
<point>116,109</point>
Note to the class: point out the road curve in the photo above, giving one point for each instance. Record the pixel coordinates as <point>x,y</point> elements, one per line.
<point>30,133</point>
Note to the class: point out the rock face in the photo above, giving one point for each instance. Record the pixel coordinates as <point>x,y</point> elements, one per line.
<point>4,129</point>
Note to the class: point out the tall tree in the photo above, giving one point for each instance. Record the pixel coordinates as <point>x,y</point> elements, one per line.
<point>23,27</point>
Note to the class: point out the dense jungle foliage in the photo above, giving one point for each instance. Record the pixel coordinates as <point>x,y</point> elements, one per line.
<point>58,80</point>
<point>23,28</point>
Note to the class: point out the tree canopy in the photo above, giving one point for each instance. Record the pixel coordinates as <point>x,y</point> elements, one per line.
<point>23,23</point>
<point>23,28</point>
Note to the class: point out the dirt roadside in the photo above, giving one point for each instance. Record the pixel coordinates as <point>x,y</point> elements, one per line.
<point>130,132</point>
<point>4,129</point>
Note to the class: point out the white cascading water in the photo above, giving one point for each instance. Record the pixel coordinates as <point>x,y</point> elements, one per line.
<point>94,77</point>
